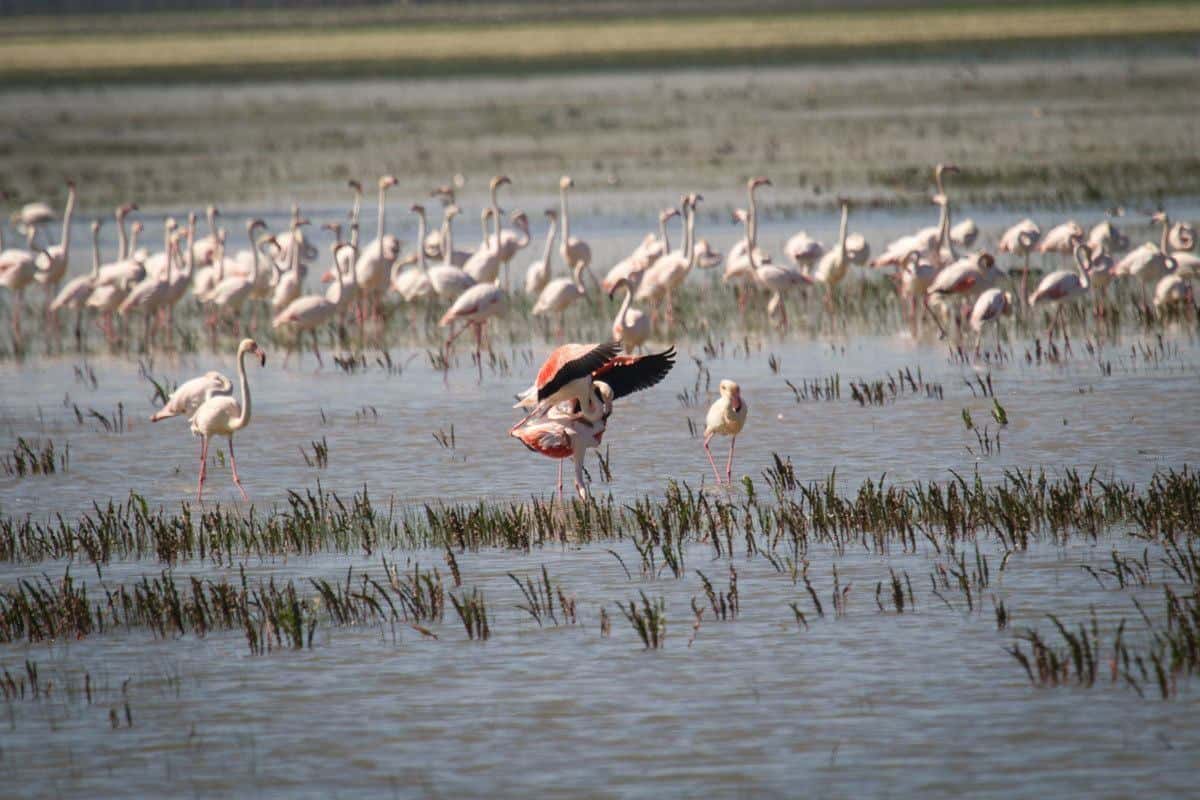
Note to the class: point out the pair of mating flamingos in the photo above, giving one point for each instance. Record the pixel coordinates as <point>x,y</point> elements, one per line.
<point>571,400</point>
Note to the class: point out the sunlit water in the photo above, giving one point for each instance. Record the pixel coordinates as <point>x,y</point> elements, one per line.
<point>872,704</point>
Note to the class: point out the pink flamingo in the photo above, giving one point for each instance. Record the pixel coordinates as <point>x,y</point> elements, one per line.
<point>221,415</point>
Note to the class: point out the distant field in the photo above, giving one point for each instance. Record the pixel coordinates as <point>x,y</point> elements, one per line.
<point>188,50</point>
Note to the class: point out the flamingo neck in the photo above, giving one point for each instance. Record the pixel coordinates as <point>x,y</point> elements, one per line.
<point>379,219</point>
<point>566,219</point>
<point>421,243</point>
<point>66,225</point>
<point>625,304</point>
<point>579,278</point>
<point>447,244</point>
<point>354,212</point>
<point>689,245</point>
<point>842,230</point>
<point>122,242</point>
<point>549,242</point>
<point>662,231</point>
<point>243,419</point>
<point>95,254</point>
<point>753,227</point>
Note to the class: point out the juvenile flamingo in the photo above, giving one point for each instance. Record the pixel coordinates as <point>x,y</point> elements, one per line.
<point>726,417</point>
<point>221,415</point>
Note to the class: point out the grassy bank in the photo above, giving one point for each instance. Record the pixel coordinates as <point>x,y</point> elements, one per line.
<point>141,50</point>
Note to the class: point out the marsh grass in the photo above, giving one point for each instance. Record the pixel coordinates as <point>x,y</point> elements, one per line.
<point>649,620</point>
<point>36,458</point>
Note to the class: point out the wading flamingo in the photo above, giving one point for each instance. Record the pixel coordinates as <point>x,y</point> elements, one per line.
<point>1020,240</point>
<point>75,293</point>
<point>631,327</point>
<point>1064,286</point>
<point>310,312</point>
<point>447,280</point>
<point>538,274</point>
<point>574,251</point>
<point>726,417</point>
<point>18,269</point>
<point>221,415</point>
<point>374,265</point>
<point>774,278</point>
<point>558,295</point>
<point>54,261</point>
<point>645,255</point>
<point>473,308</point>
<point>990,307</point>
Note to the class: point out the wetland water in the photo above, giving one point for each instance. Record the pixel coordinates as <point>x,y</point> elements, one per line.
<point>862,704</point>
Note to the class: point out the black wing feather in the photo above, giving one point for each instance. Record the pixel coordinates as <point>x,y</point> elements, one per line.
<point>586,364</point>
<point>636,374</point>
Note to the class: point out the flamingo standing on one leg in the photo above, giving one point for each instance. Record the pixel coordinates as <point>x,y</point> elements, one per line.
<point>221,415</point>
<point>726,417</point>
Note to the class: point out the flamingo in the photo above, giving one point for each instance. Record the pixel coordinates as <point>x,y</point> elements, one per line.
<point>511,242</point>
<point>179,281</point>
<point>125,271</point>
<point>671,270</point>
<point>564,433</point>
<point>484,264</point>
<point>32,215</point>
<point>965,278</point>
<point>54,261</point>
<point>474,308</point>
<point>18,269</point>
<point>1105,236</point>
<point>206,246</point>
<point>221,415</point>
<point>449,255</point>
<point>291,275</point>
<point>1020,240</point>
<point>803,250</point>
<point>310,312</point>
<point>446,280</point>
<point>574,251</point>
<point>75,293</point>
<point>560,438</point>
<point>990,306</point>
<point>1064,286</point>
<point>566,375</point>
<point>644,255</point>
<point>775,278</point>
<point>1060,238</point>
<point>737,254</point>
<point>231,293</point>
<point>538,274</point>
<point>726,417</point>
<point>965,233</point>
<point>834,265</point>
<point>434,239</point>
<point>1171,291</point>
<point>189,395</point>
<point>374,265</point>
<point>151,294</point>
<point>559,294</point>
<point>631,327</point>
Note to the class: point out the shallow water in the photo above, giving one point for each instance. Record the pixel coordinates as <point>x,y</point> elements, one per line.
<point>872,704</point>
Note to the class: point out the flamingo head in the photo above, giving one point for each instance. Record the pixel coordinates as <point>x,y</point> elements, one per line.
<point>668,213</point>
<point>520,220</point>
<point>1009,301</point>
<point>565,182</point>
<point>740,215</point>
<point>500,180</point>
<point>250,346</point>
<point>96,226</point>
<point>387,181</point>
<point>356,186</point>
<point>137,226</point>
<point>754,183</point>
<point>731,391</point>
<point>551,214</point>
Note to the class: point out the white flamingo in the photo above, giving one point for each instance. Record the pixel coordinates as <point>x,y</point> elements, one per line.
<point>538,274</point>
<point>774,278</point>
<point>1021,239</point>
<point>125,271</point>
<point>447,280</point>
<point>310,312</point>
<point>559,294</point>
<point>632,326</point>
<point>231,294</point>
<point>18,269</point>
<point>990,306</point>
<point>374,266</point>
<point>190,395</point>
<point>55,260</point>
<point>670,271</point>
<point>473,308</point>
<point>221,415</point>
<point>644,256</point>
<point>573,250</point>
<point>74,295</point>
<point>484,264</point>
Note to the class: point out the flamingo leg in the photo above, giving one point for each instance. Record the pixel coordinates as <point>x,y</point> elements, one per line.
<point>479,347</point>
<point>580,487</point>
<point>1025,279</point>
<point>708,452</point>
<point>233,466</point>
<point>317,349</point>
<point>934,317</point>
<point>729,463</point>
<point>560,481</point>
<point>203,468</point>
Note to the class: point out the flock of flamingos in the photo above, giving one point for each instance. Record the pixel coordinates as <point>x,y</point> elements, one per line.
<point>570,401</point>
